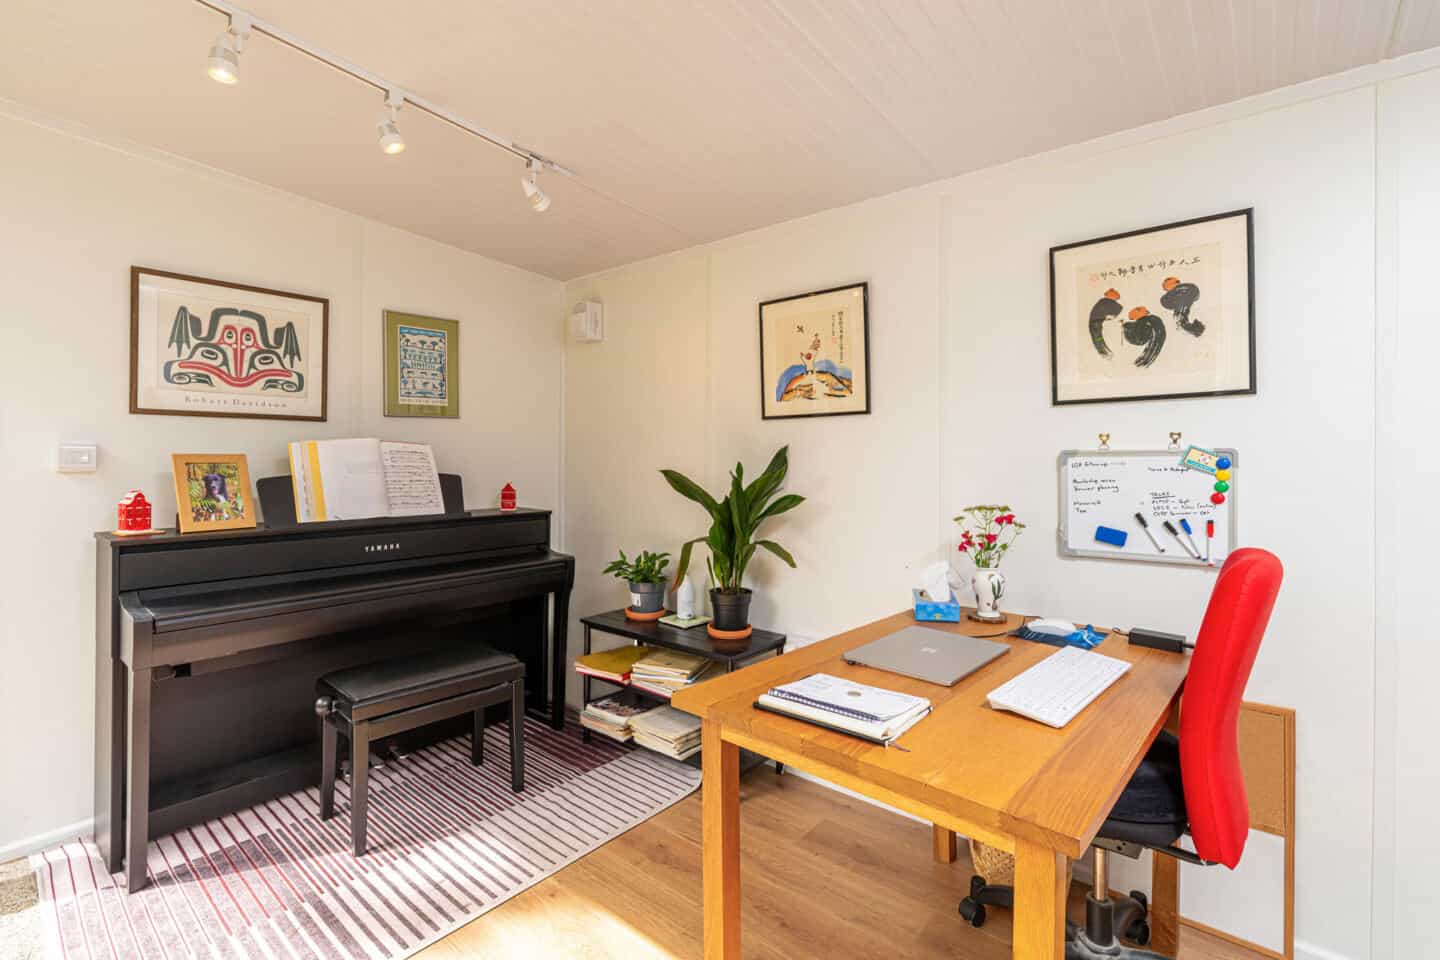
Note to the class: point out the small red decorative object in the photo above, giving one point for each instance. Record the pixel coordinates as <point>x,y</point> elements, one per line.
<point>1217,498</point>
<point>507,497</point>
<point>132,513</point>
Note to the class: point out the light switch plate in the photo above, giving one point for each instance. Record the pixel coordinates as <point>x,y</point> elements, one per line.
<point>77,458</point>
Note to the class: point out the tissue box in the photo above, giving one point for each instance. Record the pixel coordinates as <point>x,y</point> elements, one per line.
<point>947,611</point>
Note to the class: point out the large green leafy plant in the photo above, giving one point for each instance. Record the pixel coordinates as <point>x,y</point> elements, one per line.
<point>735,520</point>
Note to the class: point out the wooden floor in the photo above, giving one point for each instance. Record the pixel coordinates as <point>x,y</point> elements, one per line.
<point>807,852</point>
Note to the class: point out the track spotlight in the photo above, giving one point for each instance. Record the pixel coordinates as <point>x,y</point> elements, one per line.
<point>539,199</point>
<point>224,63</point>
<point>390,140</point>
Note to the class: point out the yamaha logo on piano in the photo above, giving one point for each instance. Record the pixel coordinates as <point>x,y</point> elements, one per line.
<point>381,547</point>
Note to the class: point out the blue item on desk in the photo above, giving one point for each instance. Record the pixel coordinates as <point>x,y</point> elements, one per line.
<point>943,611</point>
<point>1086,638</point>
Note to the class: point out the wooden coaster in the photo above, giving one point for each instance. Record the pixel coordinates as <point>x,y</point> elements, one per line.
<point>632,615</point>
<point>724,635</point>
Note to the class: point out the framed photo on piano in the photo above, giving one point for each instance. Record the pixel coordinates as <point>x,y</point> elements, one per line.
<point>210,348</point>
<point>213,492</point>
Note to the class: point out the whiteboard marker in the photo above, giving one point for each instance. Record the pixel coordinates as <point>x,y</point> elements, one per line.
<point>1170,529</point>
<point>1146,527</point>
<point>1189,538</point>
<point>1209,535</point>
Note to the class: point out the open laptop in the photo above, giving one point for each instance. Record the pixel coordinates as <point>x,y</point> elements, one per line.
<point>935,656</point>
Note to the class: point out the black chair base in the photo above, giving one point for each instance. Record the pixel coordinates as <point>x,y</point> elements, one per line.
<point>364,704</point>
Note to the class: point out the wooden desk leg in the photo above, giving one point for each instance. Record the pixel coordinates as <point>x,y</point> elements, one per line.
<point>1164,900</point>
<point>1040,875</point>
<point>720,809</point>
<point>945,846</point>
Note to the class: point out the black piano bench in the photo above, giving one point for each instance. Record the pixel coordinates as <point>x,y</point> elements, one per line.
<point>377,700</point>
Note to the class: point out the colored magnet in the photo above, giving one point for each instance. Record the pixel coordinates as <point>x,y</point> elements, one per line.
<point>1222,474</point>
<point>1111,536</point>
<point>1217,498</point>
<point>1221,487</point>
<point>1223,463</point>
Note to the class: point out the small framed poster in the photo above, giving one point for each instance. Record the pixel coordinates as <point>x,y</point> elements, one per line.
<point>213,492</point>
<point>208,348</point>
<point>815,354</point>
<point>422,366</point>
<point>1155,314</point>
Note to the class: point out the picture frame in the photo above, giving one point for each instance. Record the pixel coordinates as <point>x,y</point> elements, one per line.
<point>422,366</point>
<point>201,347</point>
<point>213,492</point>
<point>813,363</point>
<point>1162,313</point>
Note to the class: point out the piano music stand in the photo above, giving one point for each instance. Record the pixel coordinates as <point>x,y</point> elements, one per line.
<point>277,498</point>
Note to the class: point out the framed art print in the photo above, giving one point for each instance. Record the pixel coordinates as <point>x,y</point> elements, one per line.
<point>422,366</point>
<point>208,348</point>
<point>213,492</point>
<point>815,354</point>
<point>1153,314</point>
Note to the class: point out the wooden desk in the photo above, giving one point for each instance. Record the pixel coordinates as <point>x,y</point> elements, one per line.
<point>1018,785</point>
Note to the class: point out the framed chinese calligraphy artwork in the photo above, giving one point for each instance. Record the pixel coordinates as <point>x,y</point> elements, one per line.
<point>1155,314</point>
<point>815,354</point>
<point>422,366</point>
<point>208,348</point>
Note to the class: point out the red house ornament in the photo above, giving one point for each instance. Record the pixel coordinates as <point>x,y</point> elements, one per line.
<point>507,497</point>
<point>132,514</point>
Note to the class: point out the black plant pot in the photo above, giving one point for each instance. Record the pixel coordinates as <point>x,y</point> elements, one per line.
<point>731,611</point>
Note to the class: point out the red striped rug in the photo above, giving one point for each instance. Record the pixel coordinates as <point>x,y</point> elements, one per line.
<point>448,842</point>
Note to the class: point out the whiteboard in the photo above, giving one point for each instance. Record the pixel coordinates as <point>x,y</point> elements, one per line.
<point>1108,487</point>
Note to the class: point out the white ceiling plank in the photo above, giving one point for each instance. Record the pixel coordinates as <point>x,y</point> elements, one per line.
<point>685,122</point>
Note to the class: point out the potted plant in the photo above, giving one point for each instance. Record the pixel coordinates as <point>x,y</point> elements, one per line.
<point>646,576</point>
<point>983,536</point>
<point>734,521</point>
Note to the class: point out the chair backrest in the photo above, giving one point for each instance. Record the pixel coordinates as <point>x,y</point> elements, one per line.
<point>1225,651</point>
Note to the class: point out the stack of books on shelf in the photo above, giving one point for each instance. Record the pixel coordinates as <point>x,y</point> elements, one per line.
<point>613,665</point>
<point>611,716</point>
<point>870,713</point>
<point>668,731</point>
<point>662,672</point>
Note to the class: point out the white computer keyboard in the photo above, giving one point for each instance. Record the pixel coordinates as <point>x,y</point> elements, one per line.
<point>1058,687</point>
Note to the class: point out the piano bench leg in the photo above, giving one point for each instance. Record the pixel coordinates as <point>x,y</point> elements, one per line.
<point>328,744</point>
<point>517,736</point>
<point>359,784</point>
<point>477,739</point>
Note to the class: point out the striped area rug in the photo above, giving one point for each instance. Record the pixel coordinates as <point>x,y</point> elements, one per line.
<point>448,842</point>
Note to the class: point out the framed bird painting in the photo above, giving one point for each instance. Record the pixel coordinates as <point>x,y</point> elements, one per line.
<point>1153,314</point>
<point>210,348</point>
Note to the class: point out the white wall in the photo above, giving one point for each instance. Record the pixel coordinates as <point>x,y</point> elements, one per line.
<point>959,335</point>
<point>1407,468</point>
<point>74,216</point>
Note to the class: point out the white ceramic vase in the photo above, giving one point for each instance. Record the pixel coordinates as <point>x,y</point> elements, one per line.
<point>989,587</point>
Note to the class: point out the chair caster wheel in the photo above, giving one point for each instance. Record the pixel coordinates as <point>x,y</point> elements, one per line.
<point>973,912</point>
<point>976,885</point>
<point>1138,933</point>
<point>1140,898</point>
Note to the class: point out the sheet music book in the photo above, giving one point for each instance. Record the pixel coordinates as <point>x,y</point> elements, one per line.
<point>360,478</point>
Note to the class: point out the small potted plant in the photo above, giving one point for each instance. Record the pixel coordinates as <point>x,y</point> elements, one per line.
<point>646,576</point>
<point>986,533</point>
<point>734,522</point>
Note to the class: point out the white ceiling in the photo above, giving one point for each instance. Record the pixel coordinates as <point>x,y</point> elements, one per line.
<point>686,121</point>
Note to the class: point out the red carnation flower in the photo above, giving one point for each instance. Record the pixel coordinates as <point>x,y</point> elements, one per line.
<point>989,538</point>
<point>964,547</point>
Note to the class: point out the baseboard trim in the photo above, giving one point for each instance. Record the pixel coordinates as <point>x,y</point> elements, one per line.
<point>1232,938</point>
<point>41,841</point>
<point>1308,951</point>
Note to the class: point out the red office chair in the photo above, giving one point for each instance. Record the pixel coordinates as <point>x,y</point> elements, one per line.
<point>1193,785</point>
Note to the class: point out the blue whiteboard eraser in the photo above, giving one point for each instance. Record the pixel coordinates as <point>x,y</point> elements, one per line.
<point>1111,536</point>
